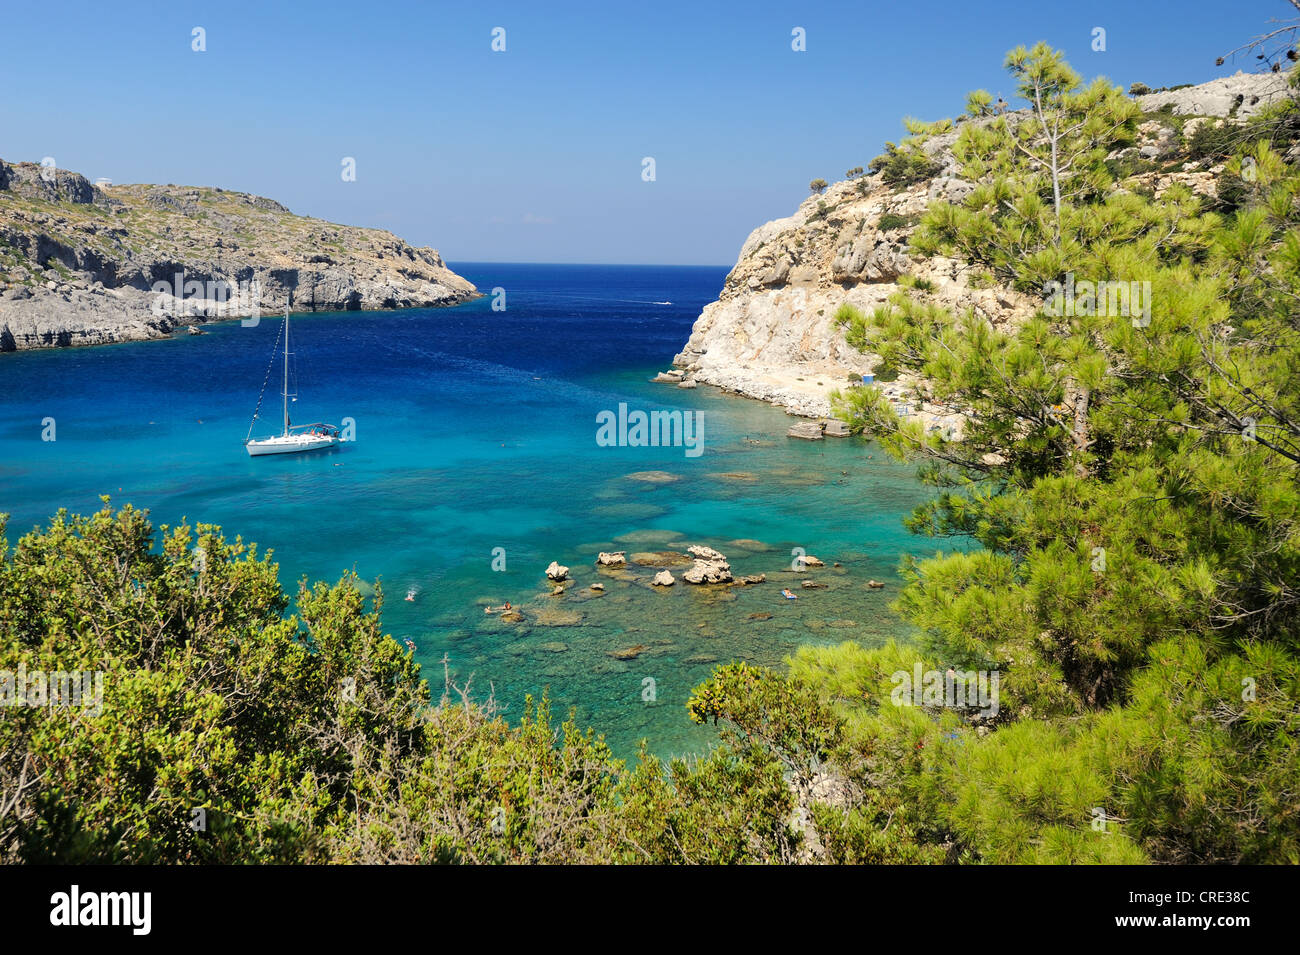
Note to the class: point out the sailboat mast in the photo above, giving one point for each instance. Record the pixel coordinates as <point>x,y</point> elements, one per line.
<point>286,372</point>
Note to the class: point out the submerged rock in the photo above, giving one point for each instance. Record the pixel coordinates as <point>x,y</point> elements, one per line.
<point>629,511</point>
<point>660,558</point>
<point>557,617</point>
<point>721,595</point>
<point>807,430</point>
<point>654,477</point>
<point>617,573</point>
<point>629,653</point>
<point>649,536</point>
<point>701,658</point>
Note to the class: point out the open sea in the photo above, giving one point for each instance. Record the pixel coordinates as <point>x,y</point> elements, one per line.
<point>475,464</point>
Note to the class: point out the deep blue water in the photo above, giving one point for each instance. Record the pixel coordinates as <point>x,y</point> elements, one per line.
<point>475,430</point>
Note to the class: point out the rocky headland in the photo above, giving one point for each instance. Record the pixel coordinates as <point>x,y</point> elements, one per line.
<point>87,264</point>
<point>771,334</point>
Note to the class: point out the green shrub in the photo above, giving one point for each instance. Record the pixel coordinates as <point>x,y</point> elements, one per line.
<point>905,165</point>
<point>891,220</point>
<point>1215,139</point>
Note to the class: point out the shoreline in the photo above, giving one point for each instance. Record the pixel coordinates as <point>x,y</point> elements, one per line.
<point>150,327</point>
<point>791,392</point>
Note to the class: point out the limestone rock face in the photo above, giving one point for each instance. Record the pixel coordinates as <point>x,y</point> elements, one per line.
<point>80,263</point>
<point>610,559</point>
<point>31,181</point>
<point>772,332</point>
<point>1248,92</point>
<point>772,335</point>
<point>557,571</point>
<point>663,579</point>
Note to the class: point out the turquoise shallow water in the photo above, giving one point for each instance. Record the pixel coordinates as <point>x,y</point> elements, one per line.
<point>476,430</point>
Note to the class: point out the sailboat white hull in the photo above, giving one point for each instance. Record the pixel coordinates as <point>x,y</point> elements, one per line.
<point>306,437</point>
<point>288,444</point>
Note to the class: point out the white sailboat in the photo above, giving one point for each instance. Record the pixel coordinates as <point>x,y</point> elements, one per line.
<point>309,437</point>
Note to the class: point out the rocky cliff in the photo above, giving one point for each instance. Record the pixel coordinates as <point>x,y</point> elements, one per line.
<point>84,264</point>
<point>771,334</point>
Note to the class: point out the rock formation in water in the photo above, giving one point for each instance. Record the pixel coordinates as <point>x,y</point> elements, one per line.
<point>84,264</point>
<point>709,567</point>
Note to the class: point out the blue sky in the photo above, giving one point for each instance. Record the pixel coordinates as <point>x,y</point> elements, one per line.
<point>535,153</point>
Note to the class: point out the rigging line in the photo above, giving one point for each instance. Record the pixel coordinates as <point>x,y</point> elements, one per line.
<point>269,366</point>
